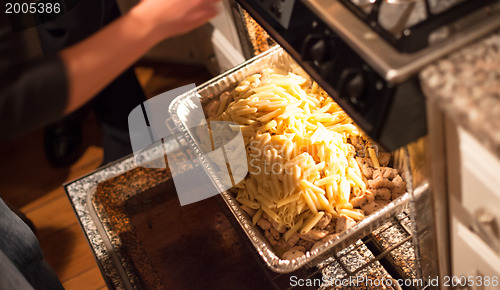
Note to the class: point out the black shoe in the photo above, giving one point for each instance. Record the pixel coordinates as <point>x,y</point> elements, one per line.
<point>63,143</point>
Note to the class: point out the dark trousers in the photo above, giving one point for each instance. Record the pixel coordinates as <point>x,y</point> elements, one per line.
<point>21,260</point>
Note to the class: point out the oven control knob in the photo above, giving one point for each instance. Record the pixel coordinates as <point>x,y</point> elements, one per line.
<point>319,50</point>
<point>352,86</point>
<point>276,10</point>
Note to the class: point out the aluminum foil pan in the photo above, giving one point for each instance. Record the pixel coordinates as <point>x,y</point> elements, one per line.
<point>180,110</point>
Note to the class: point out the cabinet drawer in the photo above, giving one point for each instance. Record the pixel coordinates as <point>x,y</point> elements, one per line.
<point>474,259</point>
<point>479,174</point>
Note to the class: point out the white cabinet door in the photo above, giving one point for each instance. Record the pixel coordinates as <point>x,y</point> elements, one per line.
<point>474,190</point>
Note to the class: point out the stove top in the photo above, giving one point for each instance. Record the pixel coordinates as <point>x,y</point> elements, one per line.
<point>367,53</point>
<point>397,38</point>
<point>410,25</point>
<point>418,6</point>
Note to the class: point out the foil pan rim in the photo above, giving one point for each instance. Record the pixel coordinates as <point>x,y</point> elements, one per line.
<point>215,87</point>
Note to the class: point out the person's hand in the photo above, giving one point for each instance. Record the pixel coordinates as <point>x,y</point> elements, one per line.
<point>94,62</point>
<point>174,17</point>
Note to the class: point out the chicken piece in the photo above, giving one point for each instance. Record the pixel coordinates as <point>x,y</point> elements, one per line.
<point>377,174</point>
<point>369,162</point>
<point>399,187</point>
<point>365,167</point>
<point>331,226</point>
<point>385,172</point>
<point>329,237</point>
<point>292,241</point>
<point>343,223</point>
<point>264,224</point>
<point>306,244</point>
<point>293,253</point>
<point>324,240</point>
<point>382,193</point>
<point>396,194</point>
<point>399,182</point>
<point>300,248</point>
<point>380,182</point>
<point>358,201</point>
<point>270,238</point>
<point>367,171</point>
<point>384,158</point>
<point>275,234</point>
<point>306,238</point>
<point>317,245</point>
<point>373,206</point>
<point>315,235</point>
<point>282,246</point>
<point>324,221</point>
<point>250,211</point>
<point>281,229</point>
<point>357,142</point>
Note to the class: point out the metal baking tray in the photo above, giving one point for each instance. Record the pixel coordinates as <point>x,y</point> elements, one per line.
<point>180,110</point>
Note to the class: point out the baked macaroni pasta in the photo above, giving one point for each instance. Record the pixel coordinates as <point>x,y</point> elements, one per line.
<point>311,173</point>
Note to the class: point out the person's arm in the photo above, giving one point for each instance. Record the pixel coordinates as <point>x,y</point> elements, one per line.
<point>97,60</point>
<point>36,92</point>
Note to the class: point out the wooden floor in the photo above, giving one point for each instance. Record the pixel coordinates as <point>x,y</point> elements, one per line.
<point>28,182</point>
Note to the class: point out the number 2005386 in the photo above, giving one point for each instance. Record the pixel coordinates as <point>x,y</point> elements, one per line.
<point>32,8</point>
<point>479,281</point>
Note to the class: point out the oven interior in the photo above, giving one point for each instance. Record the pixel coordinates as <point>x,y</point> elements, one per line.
<point>403,251</point>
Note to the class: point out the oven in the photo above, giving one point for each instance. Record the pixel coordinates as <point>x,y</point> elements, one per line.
<point>367,54</point>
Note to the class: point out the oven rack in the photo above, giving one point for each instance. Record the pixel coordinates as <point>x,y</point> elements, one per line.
<point>387,254</point>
